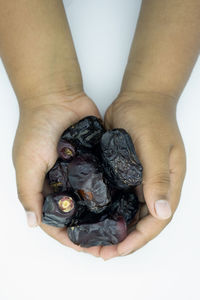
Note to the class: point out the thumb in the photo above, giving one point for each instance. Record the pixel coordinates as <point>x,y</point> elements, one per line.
<point>30,176</point>
<point>156,180</point>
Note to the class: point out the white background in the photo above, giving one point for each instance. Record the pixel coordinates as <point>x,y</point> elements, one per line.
<point>34,266</point>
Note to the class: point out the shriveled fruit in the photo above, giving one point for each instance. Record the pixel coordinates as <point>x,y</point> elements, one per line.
<point>86,133</point>
<point>121,165</point>
<point>58,209</point>
<point>84,216</point>
<point>124,204</point>
<point>94,181</point>
<point>58,177</point>
<point>86,176</point>
<point>107,232</point>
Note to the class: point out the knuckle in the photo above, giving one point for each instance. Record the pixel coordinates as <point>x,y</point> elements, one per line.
<point>22,195</point>
<point>146,238</point>
<point>160,180</point>
<point>24,200</point>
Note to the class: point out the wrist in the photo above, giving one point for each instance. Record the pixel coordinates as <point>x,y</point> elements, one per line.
<point>141,108</point>
<point>63,105</point>
<point>59,96</point>
<point>148,96</point>
<point>147,100</point>
<point>52,89</point>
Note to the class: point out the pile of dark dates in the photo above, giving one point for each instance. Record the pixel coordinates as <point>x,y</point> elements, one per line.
<point>93,183</point>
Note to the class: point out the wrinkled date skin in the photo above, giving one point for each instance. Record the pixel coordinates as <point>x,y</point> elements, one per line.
<point>87,132</point>
<point>93,182</point>
<point>121,165</point>
<point>58,209</point>
<point>107,232</point>
<point>86,176</point>
<point>84,216</point>
<point>126,205</point>
<point>58,177</point>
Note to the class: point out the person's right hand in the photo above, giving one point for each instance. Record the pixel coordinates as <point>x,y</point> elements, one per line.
<point>151,123</point>
<point>42,122</point>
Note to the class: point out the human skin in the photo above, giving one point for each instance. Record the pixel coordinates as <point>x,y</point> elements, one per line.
<point>37,51</point>
<point>165,47</point>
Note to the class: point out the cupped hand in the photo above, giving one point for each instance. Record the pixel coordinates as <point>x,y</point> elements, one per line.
<point>42,122</point>
<point>152,124</point>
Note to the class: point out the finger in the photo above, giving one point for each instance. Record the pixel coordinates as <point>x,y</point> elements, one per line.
<point>95,251</point>
<point>30,182</point>
<point>30,178</point>
<point>47,189</point>
<point>108,252</point>
<point>132,225</point>
<point>156,178</point>
<point>60,234</point>
<point>143,211</point>
<point>139,193</point>
<point>177,166</point>
<point>147,228</point>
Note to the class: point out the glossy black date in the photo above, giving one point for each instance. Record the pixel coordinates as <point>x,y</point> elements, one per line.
<point>86,176</point>
<point>124,204</point>
<point>87,132</point>
<point>107,232</point>
<point>58,209</point>
<point>93,182</point>
<point>58,177</point>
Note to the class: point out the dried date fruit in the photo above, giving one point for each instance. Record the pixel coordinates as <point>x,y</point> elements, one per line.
<point>93,182</point>
<point>86,133</point>
<point>81,168</point>
<point>84,216</point>
<point>66,150</point>
<point>121,165</point>
<point>58,177</point>
<point>107,232</point>
<point>85,176</point>
<point>126,205</point>
<point>58,209</point>
<point>95,193</point>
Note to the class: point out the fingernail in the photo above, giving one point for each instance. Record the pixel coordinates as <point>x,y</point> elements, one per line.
<point>163,209</point>
<point>31,219</point>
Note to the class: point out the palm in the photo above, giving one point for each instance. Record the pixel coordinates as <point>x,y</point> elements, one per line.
<point>35,149</point>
